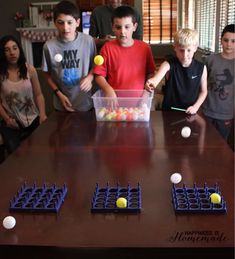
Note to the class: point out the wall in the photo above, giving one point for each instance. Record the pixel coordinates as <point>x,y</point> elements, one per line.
<point>12,6</point>
<point>7,13</point>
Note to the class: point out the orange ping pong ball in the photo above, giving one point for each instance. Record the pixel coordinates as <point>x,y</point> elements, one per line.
<point>98,60</point>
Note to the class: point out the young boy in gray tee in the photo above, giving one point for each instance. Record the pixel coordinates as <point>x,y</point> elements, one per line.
<point>67,61</point>
<point>219,104</point>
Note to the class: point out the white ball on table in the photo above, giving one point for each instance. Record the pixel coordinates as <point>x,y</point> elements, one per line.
<point>9,222</point>
<point>185,132</point>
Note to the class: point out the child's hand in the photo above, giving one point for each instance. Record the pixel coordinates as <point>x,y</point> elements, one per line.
<point>109,37</point>
<point>112,102</point>
<point>65,102</point>
<point>150,85</point>
<point>86,83</point>
<point>191,110</point>
<point>110,93</point>
<point>42,118</point>
<point>11,123</point>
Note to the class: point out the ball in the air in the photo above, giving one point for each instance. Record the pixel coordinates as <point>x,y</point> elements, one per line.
<point>98,60</point>
<point>185,132</point>
<point>9,222</point>
<point>215,198</point>
<point>121,202</point>
<point>176,178</point>
<point>58,57</point>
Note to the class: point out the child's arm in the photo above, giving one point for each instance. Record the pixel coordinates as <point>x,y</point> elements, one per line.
<point>10,121</point>
<point>86,82</point>
<point>152,83</point>
<point>63,98</point>
<point>202,95</point>
<point>39,99</point>
<point>105,86</point>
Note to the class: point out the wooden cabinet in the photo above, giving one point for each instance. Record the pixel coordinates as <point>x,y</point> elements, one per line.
<point>89,5</point>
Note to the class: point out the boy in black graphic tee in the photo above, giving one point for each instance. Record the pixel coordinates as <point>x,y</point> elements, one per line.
<point>186,78</point>
<point>67,61</point>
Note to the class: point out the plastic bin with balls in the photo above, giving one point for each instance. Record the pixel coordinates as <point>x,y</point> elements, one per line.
<point>129,105</point>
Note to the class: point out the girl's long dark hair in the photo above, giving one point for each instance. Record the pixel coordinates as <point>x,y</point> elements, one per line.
<point>3,61</point>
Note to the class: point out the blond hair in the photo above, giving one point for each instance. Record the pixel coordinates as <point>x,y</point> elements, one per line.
<point>186,37</point>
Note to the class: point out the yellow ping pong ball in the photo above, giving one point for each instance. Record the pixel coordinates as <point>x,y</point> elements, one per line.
<point>98,60</point>
<point>215,198</point>
<point>121,203</point>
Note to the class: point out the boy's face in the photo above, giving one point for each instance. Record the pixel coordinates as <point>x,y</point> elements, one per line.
<point>67,26</point>
<point>185,54</point>
<point>228,43</point>
<point>123,29</point>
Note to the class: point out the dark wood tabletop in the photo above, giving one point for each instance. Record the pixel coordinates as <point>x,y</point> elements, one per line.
<point>73,148</point>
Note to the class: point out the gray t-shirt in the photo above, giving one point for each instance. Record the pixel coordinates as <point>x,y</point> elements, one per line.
<point>219,103</point>
<point>77,60</point>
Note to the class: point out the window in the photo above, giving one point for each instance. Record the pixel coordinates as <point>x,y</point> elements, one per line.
<point>211,17</point>
<point>159,20</point>
<point>227,16</point>
<point>205,22</point>
<point>162,18</point>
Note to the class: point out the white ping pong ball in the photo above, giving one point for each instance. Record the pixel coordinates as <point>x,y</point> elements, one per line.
<point>185,132</point>
<point>176,178</point>
<point>9,222</point>
<point>58,57</point>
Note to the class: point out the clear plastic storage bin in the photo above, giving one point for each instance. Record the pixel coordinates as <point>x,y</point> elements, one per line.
<point>130,105</point>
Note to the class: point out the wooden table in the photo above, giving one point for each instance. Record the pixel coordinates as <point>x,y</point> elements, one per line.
<point>76,150</point>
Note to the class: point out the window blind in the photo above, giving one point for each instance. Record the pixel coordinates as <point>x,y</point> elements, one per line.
<point>159,20</point>
<point>205,17</point>
<point>227,16</point>
<point>211,17</point>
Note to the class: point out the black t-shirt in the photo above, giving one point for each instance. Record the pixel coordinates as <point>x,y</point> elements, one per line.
<point>182,84</point>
